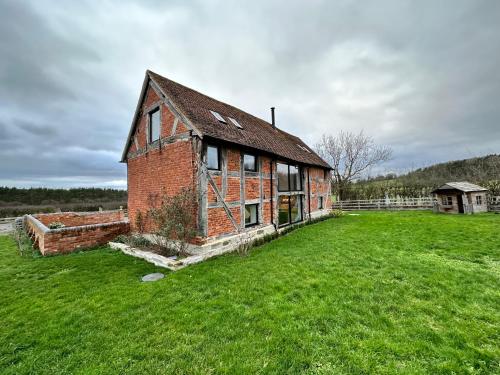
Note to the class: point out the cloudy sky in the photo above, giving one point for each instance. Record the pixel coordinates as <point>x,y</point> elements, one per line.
<point>422,77</point>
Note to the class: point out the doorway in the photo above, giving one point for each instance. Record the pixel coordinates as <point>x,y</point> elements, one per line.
<point>460,202</point>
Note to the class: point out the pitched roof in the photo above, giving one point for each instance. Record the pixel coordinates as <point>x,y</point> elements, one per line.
<point>466,187</point>
<point>255,132</point>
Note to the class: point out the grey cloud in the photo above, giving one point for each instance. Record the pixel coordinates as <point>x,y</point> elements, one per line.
<point>421,77</point>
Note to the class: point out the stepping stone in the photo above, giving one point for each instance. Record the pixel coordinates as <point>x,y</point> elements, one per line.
<point>153,277</point>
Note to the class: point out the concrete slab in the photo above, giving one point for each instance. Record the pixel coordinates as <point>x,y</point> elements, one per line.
<point>153,277</point>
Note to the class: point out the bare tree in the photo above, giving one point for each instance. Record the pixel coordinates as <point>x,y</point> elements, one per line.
<point>350,155</point>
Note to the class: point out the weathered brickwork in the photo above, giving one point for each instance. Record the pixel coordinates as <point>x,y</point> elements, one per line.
<point>83,230</point>
<point>73,219</point>
<point>161,168</point>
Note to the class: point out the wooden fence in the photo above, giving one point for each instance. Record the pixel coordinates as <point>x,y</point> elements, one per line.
<point>7,220</point>
<point>425,203</point>
<point>494,207</point>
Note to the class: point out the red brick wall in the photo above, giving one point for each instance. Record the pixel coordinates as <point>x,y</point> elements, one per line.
<point>319,187</point>
<point>65,240</point>
<point>158,172</point>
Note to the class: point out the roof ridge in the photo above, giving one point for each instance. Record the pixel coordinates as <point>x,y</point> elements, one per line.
<point>212,98</point>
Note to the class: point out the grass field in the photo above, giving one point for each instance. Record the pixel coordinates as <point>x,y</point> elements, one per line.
<point>380,293</point>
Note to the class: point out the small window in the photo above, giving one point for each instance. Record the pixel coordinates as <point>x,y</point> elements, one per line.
<point>251,214</point>
<point>447,201</point>
<point>218,117</point>
<point>154,125</point>
<point>320,203</point>
<point>479,200</point>
<point>213,160</point>
<point>250,162</point>
<point>236,123</point>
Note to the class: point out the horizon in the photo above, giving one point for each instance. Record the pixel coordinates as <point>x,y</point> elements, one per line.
<point>425,84</point>
<point>367,177</point>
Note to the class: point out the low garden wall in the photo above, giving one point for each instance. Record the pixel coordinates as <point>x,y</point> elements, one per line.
<point>81,230</point>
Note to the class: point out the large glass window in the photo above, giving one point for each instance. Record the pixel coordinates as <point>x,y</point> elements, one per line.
<point>283,177</point>
<point>154,125</point>
<point>251,214</point>
<point>213,157</point>
<point>289,178</point>
<point>250,162</point>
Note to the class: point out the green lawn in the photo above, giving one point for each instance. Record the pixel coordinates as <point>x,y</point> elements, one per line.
<point>404,293</point>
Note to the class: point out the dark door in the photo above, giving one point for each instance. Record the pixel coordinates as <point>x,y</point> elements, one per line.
<point>460,202</point>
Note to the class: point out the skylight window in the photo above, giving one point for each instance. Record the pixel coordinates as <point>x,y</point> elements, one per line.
<point>303,148</point>
<point>236,123</point>
<point>218,117</point>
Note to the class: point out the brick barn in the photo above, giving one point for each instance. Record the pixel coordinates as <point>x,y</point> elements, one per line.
<point>249,176</point>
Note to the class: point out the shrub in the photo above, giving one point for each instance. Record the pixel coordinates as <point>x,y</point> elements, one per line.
<point>140,222</point>
<point>174,218</point>
<point>135,240</point>
<point>337,213</point>
<point>56,225</point>
<point>24,244</point>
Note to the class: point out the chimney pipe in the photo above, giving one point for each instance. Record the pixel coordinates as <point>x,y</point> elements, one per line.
<point>272,118</point>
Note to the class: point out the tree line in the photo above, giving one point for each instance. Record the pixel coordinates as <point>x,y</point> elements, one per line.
<point>18,201</point>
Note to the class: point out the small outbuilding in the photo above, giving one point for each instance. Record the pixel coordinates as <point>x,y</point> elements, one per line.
<point>460,198</point>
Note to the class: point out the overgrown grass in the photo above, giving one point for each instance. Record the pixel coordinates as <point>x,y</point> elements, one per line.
<point>380,293</point>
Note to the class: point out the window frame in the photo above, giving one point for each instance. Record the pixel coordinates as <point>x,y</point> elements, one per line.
<point>218,157</point>
<point>300,198</point>
<point>479,200</point>
<point>299,173</point>
<point>321,205</point>
<point>256,215</point>
<point>150,125</point>
<point>255,162</point>
<point>447,200</point>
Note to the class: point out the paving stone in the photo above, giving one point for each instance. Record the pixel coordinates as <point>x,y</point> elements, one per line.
<point>153,277</point>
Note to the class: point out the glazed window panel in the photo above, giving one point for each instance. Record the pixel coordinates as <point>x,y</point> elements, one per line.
<point>283,177</point>
<point>284,210</point>
<point>251,214</point>
<point>294,178</point>
<point>213,157</point>
<point>154,125</point>
<point>250,162</point>
<point>295,208</point>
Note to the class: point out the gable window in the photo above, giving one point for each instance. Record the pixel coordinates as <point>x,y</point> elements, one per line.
<point>479,200</point>
<point>251,214</point>
<point>154,125</point>
<point>213,157</point>
<point>320,203</point>
<point>447,201</point>
<point>250,162</point>
<point>289,177</point>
